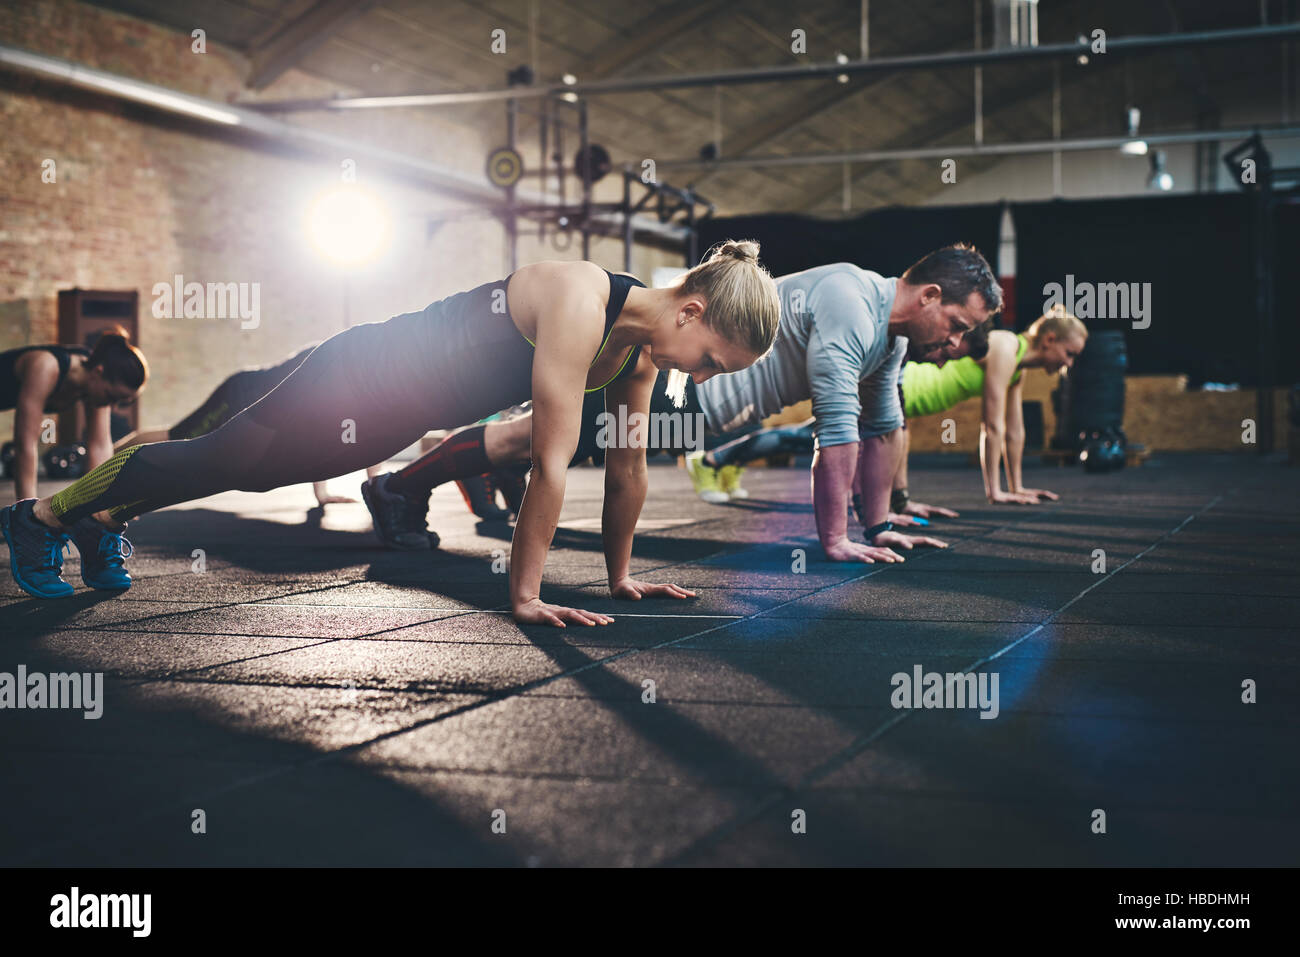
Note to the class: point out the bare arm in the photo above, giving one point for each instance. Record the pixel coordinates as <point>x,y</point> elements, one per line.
<point>569,310</point>
<point>1015,420</point>
<point>832,477</point>
<point>1016,447</point>
<point>999,366</point>
<point>625,488</point>
<point>900,473</point>
<point>878,467</point>
<point>837,351</point>
<point>832,482</point>
<point>99,435</point>
<point>917,509</point>
<point>625,473</point>
<point>865,398</point>
<point>40,374</point>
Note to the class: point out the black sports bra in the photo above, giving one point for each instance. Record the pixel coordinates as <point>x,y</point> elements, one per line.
<point>619,285</point>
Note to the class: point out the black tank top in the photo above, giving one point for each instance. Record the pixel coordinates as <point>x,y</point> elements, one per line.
<point>466,358</point>
<point>619,285</point>
<point>9,384</point>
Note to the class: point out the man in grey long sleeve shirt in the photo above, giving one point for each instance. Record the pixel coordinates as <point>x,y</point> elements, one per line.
<point>834,333</point>
<point>843,332</point>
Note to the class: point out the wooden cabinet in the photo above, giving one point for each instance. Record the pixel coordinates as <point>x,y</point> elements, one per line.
<point>83,314</point>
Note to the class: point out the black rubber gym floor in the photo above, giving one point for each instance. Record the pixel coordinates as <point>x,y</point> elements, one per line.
<point>325,702</point>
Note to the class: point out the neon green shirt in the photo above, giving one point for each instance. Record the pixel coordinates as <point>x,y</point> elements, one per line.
<point>928,388</point>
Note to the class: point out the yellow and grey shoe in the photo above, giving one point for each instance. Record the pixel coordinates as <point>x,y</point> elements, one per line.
<point>729,481</point>
<point>704,479</point>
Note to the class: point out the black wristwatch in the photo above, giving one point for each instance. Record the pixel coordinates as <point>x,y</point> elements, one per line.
<point>898,501</point>
<point>875,530</point>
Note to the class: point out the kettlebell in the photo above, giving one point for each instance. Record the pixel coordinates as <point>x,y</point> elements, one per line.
<point>65,461</point>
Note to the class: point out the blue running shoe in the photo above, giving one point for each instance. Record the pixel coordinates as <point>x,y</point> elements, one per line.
<point>35,552</point>
<point>103,555</point>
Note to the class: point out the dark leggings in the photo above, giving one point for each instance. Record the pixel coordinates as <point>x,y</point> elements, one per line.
<point>234,395</point>
<point>788,439</point>
<point>353,402</point>
<point>463,454</point>
<point>217,409</point>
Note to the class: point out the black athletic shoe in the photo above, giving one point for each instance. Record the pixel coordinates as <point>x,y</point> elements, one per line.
<point>399,520</point>
<point>417,513</point>
<point>481,498</point>
<point>512,483</point>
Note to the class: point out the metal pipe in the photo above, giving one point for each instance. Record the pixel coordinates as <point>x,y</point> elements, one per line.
<point>979,81</point>
<point>585,151</point>
<point>233,117</point>
<point>692,240</point>
<point>627,221</point>
<point>994,149</point>
<point>532,35</point>
<point>441,178</point>
<point>543,128</point>
<point>798,71</point>
<point>511,221</point>
<point>1262,221</point>
<point>864,35</point>
<point>543,111</point>
<point>717,121</point>
<point>559,155</point>
<point>1058,184</point>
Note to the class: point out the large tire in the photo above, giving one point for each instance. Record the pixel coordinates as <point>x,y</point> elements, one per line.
<point>1097,384</point>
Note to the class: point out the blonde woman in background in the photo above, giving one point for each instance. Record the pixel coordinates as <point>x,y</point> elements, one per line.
<point>1052,343</point>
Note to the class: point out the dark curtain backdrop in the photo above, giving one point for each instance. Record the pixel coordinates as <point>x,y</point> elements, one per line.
<point>886,241</point>
<point>1196,252</point>
<point>1286,291</point>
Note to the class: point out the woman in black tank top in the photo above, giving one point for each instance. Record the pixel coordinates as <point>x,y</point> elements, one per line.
<point>37,381</point>
<point>550,332</point>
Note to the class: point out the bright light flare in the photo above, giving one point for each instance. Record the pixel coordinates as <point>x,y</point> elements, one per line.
<point>348,226</point>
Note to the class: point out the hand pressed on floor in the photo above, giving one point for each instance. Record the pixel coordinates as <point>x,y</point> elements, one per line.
<point>538,612</point>
<point>629,589</point>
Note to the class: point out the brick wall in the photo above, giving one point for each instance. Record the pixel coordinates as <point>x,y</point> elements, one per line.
<point>141,197</point>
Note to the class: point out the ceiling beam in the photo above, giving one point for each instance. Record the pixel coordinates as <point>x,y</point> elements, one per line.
<point>1193,69</point>
<point>657,30</point>
<point>759,134</point>
<point>811,71</point>
<point>928,132</point>
<point>300,37</point>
